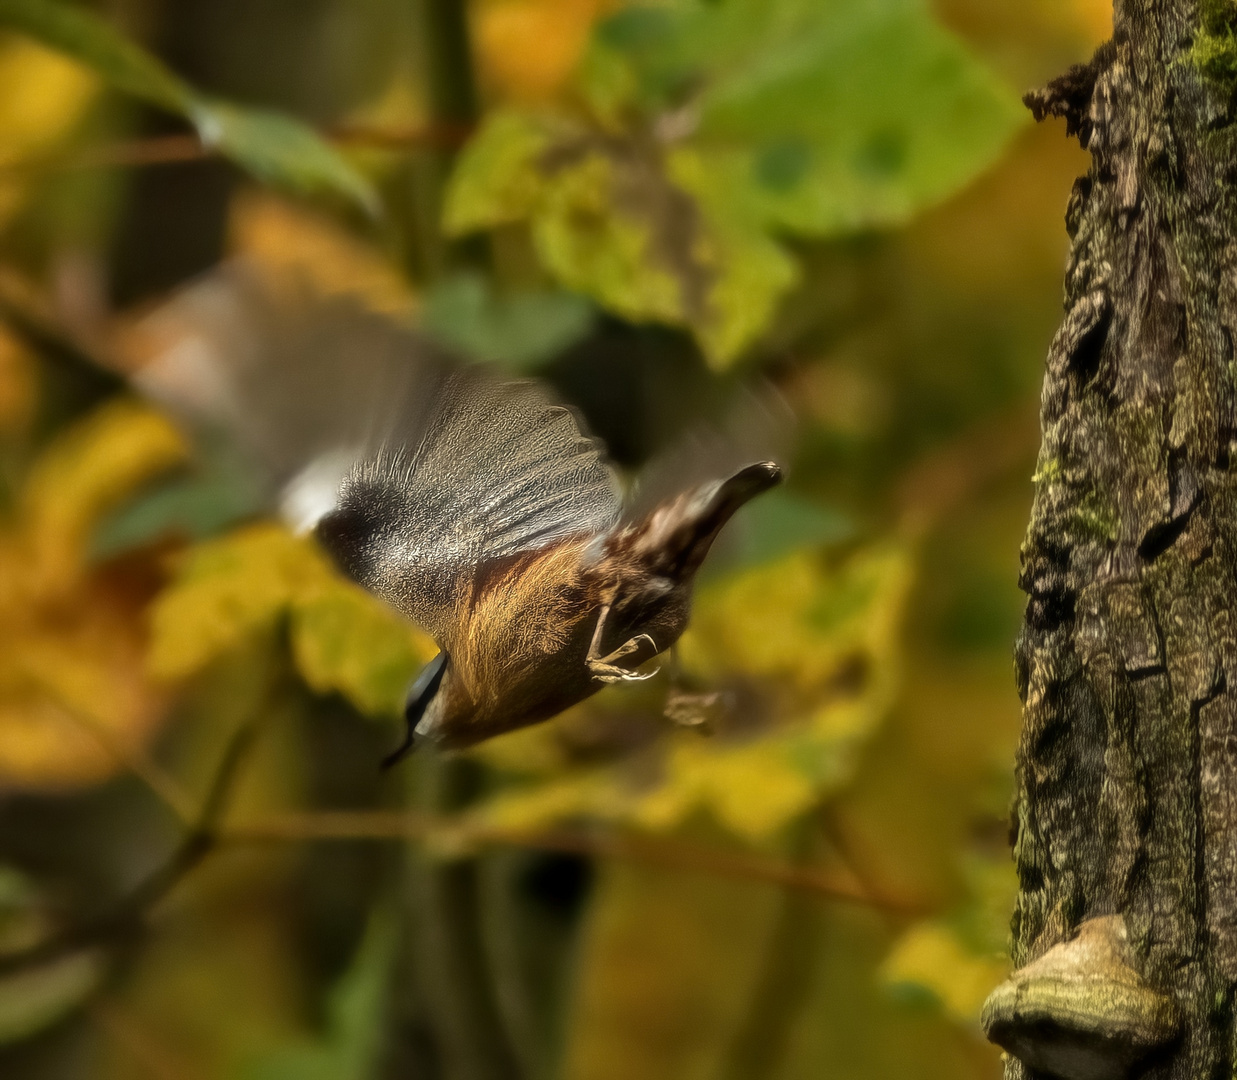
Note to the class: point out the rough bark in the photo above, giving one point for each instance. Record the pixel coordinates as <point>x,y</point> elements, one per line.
<point>1126,815</point>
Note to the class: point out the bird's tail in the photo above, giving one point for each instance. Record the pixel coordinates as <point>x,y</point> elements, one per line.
<point>678,534</point>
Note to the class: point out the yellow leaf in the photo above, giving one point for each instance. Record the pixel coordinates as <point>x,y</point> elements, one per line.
<point>72,678</point>
<point>932,957</point>
<point>799,620</point>
<point>43,95</point>
<point>818,639</point>
<point>227,589</point>
<point>86,472</point>
<point>345,640</point>
<point>665,974</point>
<point>753,790</point>
<point>284,237</point>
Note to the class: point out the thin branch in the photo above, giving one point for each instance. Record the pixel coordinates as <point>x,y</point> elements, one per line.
<point>388,825</point>
<point>126,914</point>
<point>179,148</point>
<point>134,758</point>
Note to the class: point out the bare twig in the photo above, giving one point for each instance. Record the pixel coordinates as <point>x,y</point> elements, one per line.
<point>449,833</point>
<point>133,757</point>
<point>127,913</point>
<point>180,148</point>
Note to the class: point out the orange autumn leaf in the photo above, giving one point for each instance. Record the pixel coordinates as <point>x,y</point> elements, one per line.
<point>529,48</point>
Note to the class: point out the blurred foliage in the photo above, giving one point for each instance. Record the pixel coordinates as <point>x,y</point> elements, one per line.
<point>275,148</point>
<point>648,204</point>
<point>700,127</point>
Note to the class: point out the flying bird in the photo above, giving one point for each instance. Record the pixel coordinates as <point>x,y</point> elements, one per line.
<point>472,503</point>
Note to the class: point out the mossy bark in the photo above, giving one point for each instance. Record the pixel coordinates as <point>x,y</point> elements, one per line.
<point>1127,662</point>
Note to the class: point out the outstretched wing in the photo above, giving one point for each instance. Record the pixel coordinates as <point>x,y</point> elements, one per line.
<point>413,469</point>
<point>302,386</point>
<point>499,470</point>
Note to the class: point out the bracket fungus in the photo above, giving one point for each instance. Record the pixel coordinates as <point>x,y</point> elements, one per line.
<point>1081,1011</point>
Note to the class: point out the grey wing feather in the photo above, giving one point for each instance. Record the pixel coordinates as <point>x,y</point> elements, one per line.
<point>499,470</point>
<point>414,469</point>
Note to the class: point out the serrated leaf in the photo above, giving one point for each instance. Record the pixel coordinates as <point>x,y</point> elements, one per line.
<point>497,181</point>
<point>275,148</point>
<point>712,126</point>
<point>822,117</point>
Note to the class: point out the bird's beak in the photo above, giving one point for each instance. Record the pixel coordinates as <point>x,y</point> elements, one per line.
<point>420,694</point>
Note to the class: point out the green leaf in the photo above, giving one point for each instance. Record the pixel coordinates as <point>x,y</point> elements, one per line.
<point>220,490</point>
<point>35,999</point>
<point>522,330</point>
<point>277,149</point>
<point>712,127</point>
<point>281,151</point>
<point>822,117</point>
<point>779,522</point>
<point>497,181</point>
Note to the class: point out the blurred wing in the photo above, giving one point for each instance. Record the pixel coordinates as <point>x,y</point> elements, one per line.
<point>302,385</point>
<point>499,470</point>
<point>414,470</point>
<point>756,424</point>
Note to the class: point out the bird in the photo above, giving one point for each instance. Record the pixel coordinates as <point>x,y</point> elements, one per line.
<point>471,502</point>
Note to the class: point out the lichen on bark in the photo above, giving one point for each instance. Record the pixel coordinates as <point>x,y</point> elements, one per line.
<point>1127,661</point>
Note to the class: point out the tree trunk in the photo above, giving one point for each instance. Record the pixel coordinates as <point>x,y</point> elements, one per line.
<point>1125,932</point>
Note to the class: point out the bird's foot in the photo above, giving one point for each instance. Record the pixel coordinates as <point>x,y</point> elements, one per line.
<point>606,669</point>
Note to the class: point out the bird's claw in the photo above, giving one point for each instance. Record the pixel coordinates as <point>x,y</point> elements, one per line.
<point>606,669</point>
